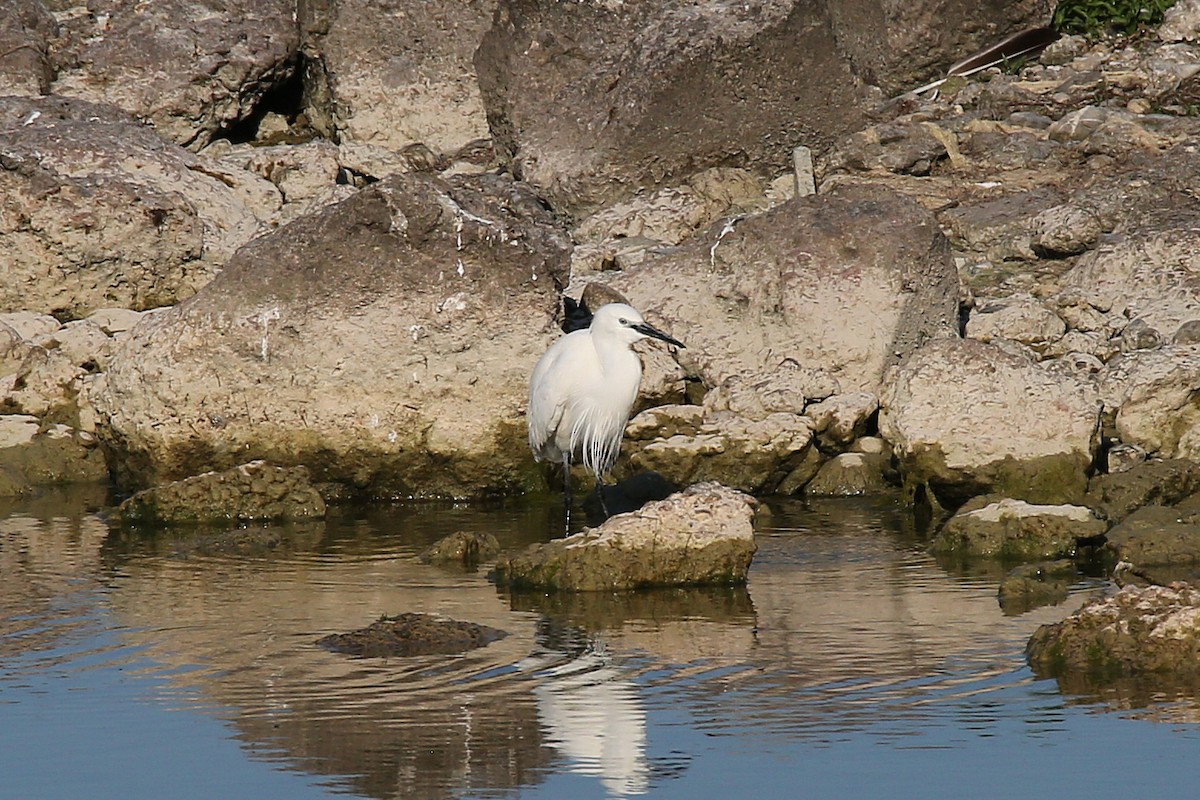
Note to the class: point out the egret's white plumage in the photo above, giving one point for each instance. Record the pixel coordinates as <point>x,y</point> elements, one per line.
<point>582,389</point>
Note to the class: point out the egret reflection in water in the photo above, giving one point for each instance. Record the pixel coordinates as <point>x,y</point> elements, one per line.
<point>592,714</point>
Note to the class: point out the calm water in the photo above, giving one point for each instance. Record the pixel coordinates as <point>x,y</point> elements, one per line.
<point>853,665</point>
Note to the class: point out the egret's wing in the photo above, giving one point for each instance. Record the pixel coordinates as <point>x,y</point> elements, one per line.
<point>546,404</point>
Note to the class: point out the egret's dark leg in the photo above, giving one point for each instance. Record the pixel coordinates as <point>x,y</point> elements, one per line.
<point>600,494</point>
<point>567,489</point>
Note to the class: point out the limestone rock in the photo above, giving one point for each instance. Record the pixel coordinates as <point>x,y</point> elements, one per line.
<point>1159,482</point>
<point>755,299</point>
<point>966,417</point>
<point>1153,395</point>
<point>1135,631</point>
<point>189,69</point>
<point>591,102</point>
<point>1150,273</point>
<point>386,342</point>
<point>1018,530</point>
<point>26,30</point>
<point>1065,230</point>
<point>1020,319</point>
<point>30,325</point>
<point>1124,457</point>
<point>97,211</point>
<point>749,455</point>
<point>842,418</point>
<point>1031,586</point>
<point>32,456</point>
<point>850,474</point>
<point>699,536</point>
<point>253,491</point>
<point>394,73</point>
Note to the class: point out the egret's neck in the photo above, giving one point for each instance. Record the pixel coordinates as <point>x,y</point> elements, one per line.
<point>621,367</point>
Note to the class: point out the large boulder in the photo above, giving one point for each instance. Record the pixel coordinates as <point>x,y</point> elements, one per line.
<point>97,210</point>
<point>592,101</point>
<point>846,283</point>
<point>26,29</point>
<point>754,301</point>
<point>966,418</point>
<point>699,536</point>
<point>394,73</point>
<point>192,69</point>
<point>385,342</point>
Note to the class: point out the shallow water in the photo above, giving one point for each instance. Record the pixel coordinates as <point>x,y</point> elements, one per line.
<point>852,665</point>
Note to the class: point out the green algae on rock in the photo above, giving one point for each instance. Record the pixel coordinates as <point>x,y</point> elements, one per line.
<point>1153,629</point>
<point>256,490</point>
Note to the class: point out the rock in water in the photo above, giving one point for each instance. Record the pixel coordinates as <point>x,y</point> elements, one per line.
<point>412,635</point>
<point>462,547</point>
<point>1016,529</point>
<point>1135,631</point>
<point>252,491</point>
<point>700,536</point>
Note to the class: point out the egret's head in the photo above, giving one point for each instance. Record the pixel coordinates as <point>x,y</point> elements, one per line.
<point>624,323</point>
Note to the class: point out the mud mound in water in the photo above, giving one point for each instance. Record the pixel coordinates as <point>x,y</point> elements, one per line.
<point>412,635</point>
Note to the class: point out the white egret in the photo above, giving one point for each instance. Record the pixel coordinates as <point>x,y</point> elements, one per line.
<point>582,390</point>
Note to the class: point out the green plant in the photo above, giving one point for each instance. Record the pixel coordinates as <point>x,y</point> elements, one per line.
<point>1097,17</point>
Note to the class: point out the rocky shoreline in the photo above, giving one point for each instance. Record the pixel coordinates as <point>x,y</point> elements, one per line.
<point>317,248</point>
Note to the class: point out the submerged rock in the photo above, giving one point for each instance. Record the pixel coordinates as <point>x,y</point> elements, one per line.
<point>256,490</point>
<point>1154,629</point>
<point>699,536</point>
<point>462,547</point>
<point>1016,529</point>
<point>1031,586</point>
<point>411,634</point>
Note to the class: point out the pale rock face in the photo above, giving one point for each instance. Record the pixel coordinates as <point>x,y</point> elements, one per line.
<point>400,73</point>
<point>188,69</point>
<point>966,417</point>
<point>1153,276</point>
<point>1022,319</point>
<point>840,284</point>
<point>1153,395</point>
<point>117,216</point>
<point>385,341</point>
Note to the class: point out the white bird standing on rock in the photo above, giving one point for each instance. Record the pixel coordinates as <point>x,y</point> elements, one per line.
<point>582,390</point>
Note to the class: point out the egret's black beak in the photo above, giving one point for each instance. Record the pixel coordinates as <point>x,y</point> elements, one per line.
<point>650,330</point>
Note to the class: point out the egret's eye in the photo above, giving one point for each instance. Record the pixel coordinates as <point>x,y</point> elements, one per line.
<point>623,321</point>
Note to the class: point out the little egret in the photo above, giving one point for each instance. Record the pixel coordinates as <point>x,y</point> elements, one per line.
<point>582,390</point>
